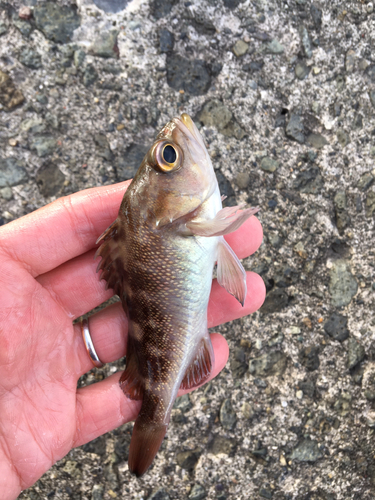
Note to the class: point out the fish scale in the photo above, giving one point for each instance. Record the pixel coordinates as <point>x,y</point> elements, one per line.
<point>158,256</point>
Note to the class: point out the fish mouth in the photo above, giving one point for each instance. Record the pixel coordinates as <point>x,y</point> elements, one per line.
<point>186,133</point>
<point>186,125</point>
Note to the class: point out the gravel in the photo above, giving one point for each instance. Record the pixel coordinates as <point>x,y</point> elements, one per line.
<point>284,95</point>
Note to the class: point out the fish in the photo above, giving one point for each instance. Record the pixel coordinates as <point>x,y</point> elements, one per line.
<point>158,256</point>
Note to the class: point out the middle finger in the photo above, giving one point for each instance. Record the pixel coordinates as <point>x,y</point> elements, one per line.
<point>109,327</point>
<point>75,285</point>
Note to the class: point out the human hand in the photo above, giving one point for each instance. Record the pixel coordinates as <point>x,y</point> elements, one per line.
<point>48,279</point>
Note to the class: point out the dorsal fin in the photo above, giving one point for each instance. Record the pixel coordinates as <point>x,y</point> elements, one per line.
<point>200,368</point>
<point>109,251</point>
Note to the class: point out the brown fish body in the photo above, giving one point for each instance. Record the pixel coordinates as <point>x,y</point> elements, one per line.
<point>159,256</point>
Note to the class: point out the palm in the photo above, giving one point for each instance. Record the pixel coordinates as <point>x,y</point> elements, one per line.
<point>39,379</point>
<point>47,279</point>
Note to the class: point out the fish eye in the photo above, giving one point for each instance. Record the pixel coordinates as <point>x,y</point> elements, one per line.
<point>169,154</point>
<point>165,157</point>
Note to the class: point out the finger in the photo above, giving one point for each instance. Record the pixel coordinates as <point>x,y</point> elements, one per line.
<point>109,334</point>
<point>247,239</point>
<point>109,327</point>
<point>223,307</point>
<point>103,406</point>
<point>63,229</point>
<point>76,287</point>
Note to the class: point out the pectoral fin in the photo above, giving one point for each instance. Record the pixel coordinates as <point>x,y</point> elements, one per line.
<point>226,221</point>
<point>200,369</point>
<point>230,273</point>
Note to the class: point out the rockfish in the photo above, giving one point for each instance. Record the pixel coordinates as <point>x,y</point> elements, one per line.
<point>158,256</point>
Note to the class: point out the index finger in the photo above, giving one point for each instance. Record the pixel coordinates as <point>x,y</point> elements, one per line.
<point>69,227</point>
<point>63,229</point>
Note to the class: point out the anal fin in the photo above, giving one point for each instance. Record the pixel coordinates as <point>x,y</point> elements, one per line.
<point>230,273</point>
<point>131,381</point>
<point>200,368</point>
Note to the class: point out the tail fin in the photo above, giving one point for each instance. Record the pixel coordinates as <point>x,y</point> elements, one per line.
<point>145,443</point>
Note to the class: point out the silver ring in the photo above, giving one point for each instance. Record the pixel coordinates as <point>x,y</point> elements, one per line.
<point>89,344</point>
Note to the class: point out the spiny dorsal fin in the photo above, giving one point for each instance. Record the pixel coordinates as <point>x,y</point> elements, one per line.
<point>200,368</point>
<point>109,251</point>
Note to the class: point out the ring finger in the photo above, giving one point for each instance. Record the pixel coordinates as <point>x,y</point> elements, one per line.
<point>109,327</point>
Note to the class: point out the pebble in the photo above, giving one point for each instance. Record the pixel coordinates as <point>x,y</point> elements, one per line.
<point>215,114</point>
<point>316,15</point>
<point>57,22</point>
<point>10,95</point>
<point>159,494</point>
<point>299,394</point>
<point>105,44</point>
<point>316,140</point>
<point>356,353</point>
<point>295,128</point>
<point>30,58</point>
<point>370,419</point>
<point>342,286</point>
<point>309,181</point>
<point>238,363</point>
<point>78,57</point>
<point>197,492</point>
<point>233,129</point>
<point>90,76</point>
<point>342,137</point>
<point>342,216</point>
<point>226,189</point>
<point>275,301</point>
<point>6,193</point>
<point>3,27</point>
<point>183,403</point>
<point>242,180</point>
<point>188,459</point>
<point>368,382</point>
<point>247,410</point>
<point>166,40</point>
<point>307,450</point>
<point>127,165</point>
<point>97,492</point>
<point>309,358</point>
<point>370,204</point>
<point>337,327</point>
<point>50,180</point>
<point>228,417</point>
<point>272,363</point>
<point>240,48</point>
<point>365,181</point>
<point>111,6</point>
<point>222,445</point>
<point>301,70</point>
<point>44,145</point>
<point>300,249</point>
<point>306,42</point>
<point>269,164</point>
<point>274,47</point>
<point>12,172</point>
<point>190,75</point>
<point>23,25</point>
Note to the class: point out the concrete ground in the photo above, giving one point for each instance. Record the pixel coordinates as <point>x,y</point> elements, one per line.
<point>284,93</point>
